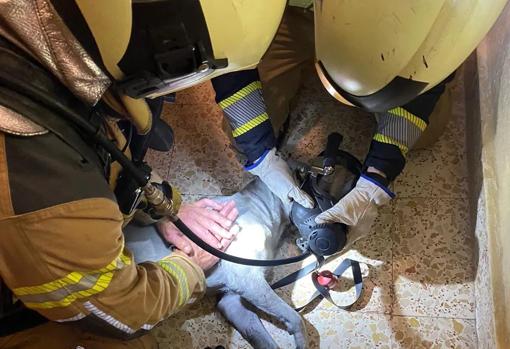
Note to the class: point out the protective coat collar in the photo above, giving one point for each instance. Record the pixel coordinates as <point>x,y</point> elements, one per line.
<point>35,27</point>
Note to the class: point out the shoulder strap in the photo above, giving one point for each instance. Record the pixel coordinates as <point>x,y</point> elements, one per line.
<point>18,71</point>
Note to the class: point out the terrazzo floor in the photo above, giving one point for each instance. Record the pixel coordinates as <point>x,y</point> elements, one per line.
<point>419,258</point>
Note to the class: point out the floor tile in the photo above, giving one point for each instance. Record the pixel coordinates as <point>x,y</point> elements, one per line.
<point>326,329</point>
<point>441,170</point>
<point>437,172</point>
<point>200,94</point>
<point>433,333</point>
<point>433,266</point>
<point>196,327</point>
<point>160,162</point>
<point>310,125</point>
<point>349,330</point>
<point>203,161</point>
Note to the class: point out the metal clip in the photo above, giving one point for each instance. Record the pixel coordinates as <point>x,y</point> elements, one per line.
<point>313,170</point>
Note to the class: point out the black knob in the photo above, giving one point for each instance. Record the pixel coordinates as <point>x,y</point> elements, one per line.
<point>334,140</point>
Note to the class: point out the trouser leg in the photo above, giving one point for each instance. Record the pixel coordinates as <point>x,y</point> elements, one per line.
<point>282,66</point>
<point>438,120</point>
<point>433,106</point>
<point>69,336</point>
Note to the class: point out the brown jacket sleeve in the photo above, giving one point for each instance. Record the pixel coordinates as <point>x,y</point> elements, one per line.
<point>69,262</point>
<point>66,259</point>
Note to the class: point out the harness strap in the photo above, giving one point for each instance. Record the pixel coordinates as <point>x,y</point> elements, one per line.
<point>323,292</point>
<point>301,273</point>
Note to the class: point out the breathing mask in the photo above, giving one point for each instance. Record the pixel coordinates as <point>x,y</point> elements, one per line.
<point>326,180</point>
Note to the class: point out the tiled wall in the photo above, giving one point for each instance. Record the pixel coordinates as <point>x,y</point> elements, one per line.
<point>488,113</point>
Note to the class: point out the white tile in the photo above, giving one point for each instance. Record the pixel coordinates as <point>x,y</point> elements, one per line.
<point>433,333</point>
<point>433,252</point>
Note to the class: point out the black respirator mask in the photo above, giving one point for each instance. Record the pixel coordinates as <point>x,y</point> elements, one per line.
<point>326,180</point>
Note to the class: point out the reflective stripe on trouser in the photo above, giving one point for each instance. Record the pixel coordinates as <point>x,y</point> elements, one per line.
<point>400,128</point>
<point>75,285</point>
<point>245,109</point>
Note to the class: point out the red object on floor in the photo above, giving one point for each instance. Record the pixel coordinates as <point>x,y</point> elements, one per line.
<point>326,279</point>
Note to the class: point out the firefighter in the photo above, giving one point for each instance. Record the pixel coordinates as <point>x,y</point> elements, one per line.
<point>391,58</point>
<point>68,253</point>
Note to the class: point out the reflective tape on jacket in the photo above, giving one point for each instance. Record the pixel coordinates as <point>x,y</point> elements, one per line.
<point>399,127</point>
<point>75,285</point>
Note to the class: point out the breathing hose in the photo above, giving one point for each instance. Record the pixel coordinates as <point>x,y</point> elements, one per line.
<point>159,200</point>
<point>234,259</point>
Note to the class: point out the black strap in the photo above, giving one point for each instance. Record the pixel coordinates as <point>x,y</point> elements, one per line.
<point>17,70</point>
<point>299,274</point>
<point>323,292</point>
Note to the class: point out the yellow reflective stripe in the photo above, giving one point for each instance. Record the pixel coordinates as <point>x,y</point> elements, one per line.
<point>174,275</point>
<point>388,140</point>
<point>125,259</point>
<point>178,273</point>
<point>101,284</point>
<point>184,279</point>
<point>70,279</point>
<point>422,125</point>
<point>250,124</point>
<point>245,91</point>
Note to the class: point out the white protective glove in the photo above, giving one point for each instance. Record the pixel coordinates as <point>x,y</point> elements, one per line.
<point>276,174</point>
<point>358,209</point>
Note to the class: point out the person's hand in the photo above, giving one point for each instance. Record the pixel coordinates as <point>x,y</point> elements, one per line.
<point>276,174</point>
<point>358,209</point>
<point>211,221</point>
<point>230,211</point>
<point>204,259</point>
<point>208,219</point>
